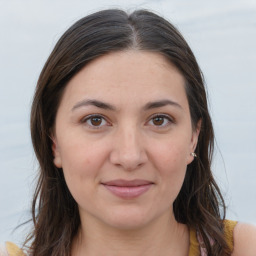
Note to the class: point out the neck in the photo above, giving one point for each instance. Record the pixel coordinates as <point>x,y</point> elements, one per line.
<point>162,237</point>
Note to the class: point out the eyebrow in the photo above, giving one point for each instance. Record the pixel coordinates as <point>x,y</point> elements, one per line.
<point>107,106</point>
<point>161,103</point>
<point>96,103</point>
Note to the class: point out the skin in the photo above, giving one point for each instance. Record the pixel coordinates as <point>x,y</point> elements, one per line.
<point>244,240</point>
<point>130,138</point>
<point>126,145</point>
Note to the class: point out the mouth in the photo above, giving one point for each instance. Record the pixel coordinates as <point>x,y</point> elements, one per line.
<point>128,189</point>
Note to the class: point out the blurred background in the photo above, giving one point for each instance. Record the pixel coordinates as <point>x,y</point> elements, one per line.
<point>222,35</point>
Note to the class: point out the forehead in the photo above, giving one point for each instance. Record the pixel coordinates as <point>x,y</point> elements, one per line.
<point>127,76</point>
<point>131,64</point>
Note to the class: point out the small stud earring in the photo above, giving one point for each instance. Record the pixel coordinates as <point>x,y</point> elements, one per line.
<point>193,154</point>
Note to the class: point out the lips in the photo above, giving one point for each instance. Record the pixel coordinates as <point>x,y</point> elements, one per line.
<point>127,183</point>
<point>128,189</point>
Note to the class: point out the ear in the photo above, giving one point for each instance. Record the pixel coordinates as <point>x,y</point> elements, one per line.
<point>194,140</point>
<point>56,153</point>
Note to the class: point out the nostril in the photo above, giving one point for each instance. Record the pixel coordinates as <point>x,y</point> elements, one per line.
<point>128,161</point>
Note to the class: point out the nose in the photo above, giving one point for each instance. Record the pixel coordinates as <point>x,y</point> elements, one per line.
<point>128,149</point>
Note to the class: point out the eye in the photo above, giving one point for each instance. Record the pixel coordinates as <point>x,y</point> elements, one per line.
<point>160,120</point>
<point>95,121</point>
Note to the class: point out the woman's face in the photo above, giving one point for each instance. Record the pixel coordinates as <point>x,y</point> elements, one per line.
<point>123,137</point>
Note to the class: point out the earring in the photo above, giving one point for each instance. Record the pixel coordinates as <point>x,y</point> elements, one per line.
<point>193,154</point>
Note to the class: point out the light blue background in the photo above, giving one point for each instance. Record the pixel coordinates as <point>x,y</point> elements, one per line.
<point>222,35</point>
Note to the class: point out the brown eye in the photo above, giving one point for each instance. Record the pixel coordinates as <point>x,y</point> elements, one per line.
<point>158,120</point>
<point>96,121</point>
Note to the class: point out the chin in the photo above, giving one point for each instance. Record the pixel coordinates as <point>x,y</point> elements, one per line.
<point>128,219</point>
<point>128,224</point>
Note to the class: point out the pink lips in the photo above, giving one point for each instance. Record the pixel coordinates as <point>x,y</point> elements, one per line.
<point>128,189</point>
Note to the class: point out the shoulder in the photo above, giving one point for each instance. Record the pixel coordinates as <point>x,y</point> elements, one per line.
<point>244,240</point>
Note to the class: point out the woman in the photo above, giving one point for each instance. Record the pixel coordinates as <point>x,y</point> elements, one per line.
<point>123,136</point>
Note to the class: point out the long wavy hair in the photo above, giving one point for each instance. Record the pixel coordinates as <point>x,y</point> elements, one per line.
<point>199,204</point>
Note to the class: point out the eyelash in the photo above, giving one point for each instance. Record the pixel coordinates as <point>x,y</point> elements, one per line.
<point>91,126</point>
<point>167,119</point>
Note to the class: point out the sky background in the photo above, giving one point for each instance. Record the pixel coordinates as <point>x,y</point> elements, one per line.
<point>222,35</point>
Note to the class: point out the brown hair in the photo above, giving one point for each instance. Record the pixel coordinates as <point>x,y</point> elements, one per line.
<point>199,204</point>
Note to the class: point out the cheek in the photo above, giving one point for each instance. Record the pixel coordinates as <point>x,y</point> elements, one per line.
<point>81,164</point>
<point>79,154</point>
<point>171,155</point>
<point>170,159</point>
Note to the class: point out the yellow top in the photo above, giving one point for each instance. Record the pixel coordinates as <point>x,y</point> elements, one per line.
<point>194,249</point>
<point>13,249</point>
